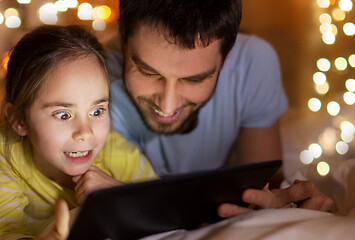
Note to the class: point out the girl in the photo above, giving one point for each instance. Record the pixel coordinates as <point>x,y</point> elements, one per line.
<point>56,141</point>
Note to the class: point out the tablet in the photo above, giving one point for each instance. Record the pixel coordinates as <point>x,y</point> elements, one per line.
<point>184,201</point>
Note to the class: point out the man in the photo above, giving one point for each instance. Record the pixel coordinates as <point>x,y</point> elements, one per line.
<point>186,92</point>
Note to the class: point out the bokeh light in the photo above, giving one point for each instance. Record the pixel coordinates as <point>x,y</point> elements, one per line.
<point>319,78</point>
<point>315,149</point>
<point>323,3</point>
<point>347,127</point>
<point>323,168</point>
<point>322,88</point>
<point>13,22</point>
<point>101,12</point>
<point>5,59</point>
<point>349,98</point>
<point>306,157</point>
<point>341,63</point>
<point>11,12</point>
<point>338,14</point>
<point>85,11</point>
<point>342,147</point>
<point>61,6</point>
<point>323,64</point>
<point>99,25</point>
<point>71,3</point>
<point>351,60</point>
<point>328,38</point>
<point>333,108</point>
<point>314,104</point>
<point>48,13</point>
<point>349,29</point>
<point>325,18</point>
<point>24,1</point>
<point>345,5</point>
<point>350,85</point>
<point>1,18</point>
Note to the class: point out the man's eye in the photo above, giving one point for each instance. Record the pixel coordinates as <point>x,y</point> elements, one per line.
<point>97,112</point>
<point>149,74</point>
<point>62,115</point>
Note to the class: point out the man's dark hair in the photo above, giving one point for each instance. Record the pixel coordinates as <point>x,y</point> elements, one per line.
<point>184,21</point>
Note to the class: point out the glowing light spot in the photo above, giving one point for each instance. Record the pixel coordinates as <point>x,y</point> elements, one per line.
<point>338,14</point>
<point>346,138</point>
<point>48,13</point>
<point>327,139</point>
<point>315,149</point>
<point>101,12</point>
<point>71,3</point>
<point>328,38</point>
<point>319,78</point>
<point>334,29</point>
<point>349,98</point>
<point>350,85</point>
<point>11,12</point>
<point>306,157</point>
<point>322,88</point>
<point>347,127</point>
<point>341,63</point>
<point>323,3</point>
<point>85,11</point>
<point>314,104</point>
<point>323,168</point>
<point>333,108</point>
<point>325,27</point>
<point>5,60</point>
<point>351,60</point>
<point>24,1</point>
<point>349,29</point>
<point>325,18</point>
<point>99,25</point>
<point>323,64</point>
<point>342,147</point>
<point>345,5</point>
<point>1,18</point>
<point>13,22</point>
<point>61,6</point>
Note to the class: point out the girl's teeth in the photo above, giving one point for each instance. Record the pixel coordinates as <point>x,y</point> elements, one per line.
<point>163,114</point>
<point>77,154</point>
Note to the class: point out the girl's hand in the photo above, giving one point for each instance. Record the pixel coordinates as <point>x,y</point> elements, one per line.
<point>302,194</point>
<point>60,228</point>
<point>93,179</point>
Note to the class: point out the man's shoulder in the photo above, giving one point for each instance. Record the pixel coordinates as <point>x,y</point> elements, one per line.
<point>247,49</point>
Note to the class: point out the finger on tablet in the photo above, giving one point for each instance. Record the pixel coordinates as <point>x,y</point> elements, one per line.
<point>227,210</point>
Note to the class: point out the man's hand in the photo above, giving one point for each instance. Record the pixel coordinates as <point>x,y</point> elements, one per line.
<point>60,228</point>
<point>93,179</point>
<point>303,194</point>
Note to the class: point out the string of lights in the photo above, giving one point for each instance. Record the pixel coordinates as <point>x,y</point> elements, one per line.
<point>334,21</point>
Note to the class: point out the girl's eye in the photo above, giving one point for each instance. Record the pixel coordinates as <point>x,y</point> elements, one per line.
<point>62,115</point>
<point>97,112</point>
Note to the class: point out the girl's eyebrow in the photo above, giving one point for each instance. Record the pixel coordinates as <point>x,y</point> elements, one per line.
<point>68,105</point>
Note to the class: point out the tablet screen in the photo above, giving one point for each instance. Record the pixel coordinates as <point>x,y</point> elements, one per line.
<point>184,201</point>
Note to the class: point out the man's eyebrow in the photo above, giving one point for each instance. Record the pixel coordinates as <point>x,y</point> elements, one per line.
<point>68,105</point>
<point>140,63</point>
<point>197,77</point>
<point>201,76</point>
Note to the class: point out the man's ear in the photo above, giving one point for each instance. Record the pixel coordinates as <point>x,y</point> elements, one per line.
<point>17,125</point>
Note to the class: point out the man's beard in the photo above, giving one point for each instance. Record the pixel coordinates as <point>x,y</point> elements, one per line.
<point>160,127</point>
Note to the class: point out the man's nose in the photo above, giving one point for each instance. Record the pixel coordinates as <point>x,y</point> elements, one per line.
<point>169,98</point>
